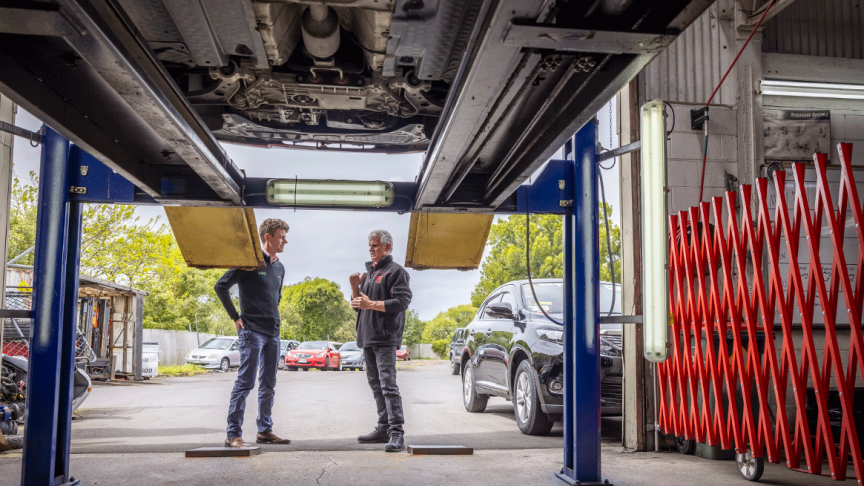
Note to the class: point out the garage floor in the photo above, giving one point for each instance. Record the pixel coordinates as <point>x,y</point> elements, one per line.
<point>135,434</point>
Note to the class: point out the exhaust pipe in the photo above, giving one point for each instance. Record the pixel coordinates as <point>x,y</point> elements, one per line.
<point>320,27</point>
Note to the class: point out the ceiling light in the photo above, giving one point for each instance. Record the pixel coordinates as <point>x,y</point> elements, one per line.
<point>324,193</point>
<point>812,90</point>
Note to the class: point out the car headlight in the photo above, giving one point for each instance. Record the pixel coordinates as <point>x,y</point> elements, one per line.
<point>609,349</point>
<point>551,335</point>
<point>320,355</point>
<point>213,356</point>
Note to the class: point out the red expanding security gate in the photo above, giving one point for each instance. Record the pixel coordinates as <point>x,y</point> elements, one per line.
<point>765,303</point>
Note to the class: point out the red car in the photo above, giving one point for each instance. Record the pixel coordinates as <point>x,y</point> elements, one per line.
<point>403,353</point>
<point>313,354</point>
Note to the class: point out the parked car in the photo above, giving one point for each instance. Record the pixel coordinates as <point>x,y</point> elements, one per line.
<point>218,353</point>
<point>457,342</point>
<point>285,345</point>
<point>314,354</point>
<point>513,351</point>
<point>403,353</point>
<point>352,356</point>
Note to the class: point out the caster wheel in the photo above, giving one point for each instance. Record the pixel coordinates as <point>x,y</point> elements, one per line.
<point>751,468</point>
<point>685,446</point>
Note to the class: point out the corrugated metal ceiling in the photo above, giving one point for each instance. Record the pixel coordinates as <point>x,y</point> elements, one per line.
<point>828,28</point>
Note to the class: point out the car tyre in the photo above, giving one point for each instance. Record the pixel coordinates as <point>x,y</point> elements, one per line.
<point>327,363</point>
<point>454,367</point>
<point>526,402</point>
<point>340,364</point>
<point>305,369</point>
<point>291,368</point>
<point>225,364</point>
<point>281,363</point>
<point>473,401</point>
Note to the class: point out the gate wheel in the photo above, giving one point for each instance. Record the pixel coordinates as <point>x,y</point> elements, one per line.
<point>751,468</point>
<point>685,446</point>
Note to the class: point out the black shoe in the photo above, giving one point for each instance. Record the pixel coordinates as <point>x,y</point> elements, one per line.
<point>379,435</point>
<point>397,442</point>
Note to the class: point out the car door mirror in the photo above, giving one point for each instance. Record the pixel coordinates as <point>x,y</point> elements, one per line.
<point>500,310</point>
<point>234,347</point>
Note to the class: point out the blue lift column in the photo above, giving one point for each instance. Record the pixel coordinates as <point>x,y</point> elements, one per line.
<point>582,319</point>
<point>52,346</point>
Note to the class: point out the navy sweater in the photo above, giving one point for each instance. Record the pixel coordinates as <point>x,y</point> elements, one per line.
<point>260,293</point>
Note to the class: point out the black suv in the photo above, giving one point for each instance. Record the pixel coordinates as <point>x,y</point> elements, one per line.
<point>457,342</point>
<point>513,351</point>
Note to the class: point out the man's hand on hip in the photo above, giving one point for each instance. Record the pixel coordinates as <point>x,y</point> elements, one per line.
<point>239,324</point>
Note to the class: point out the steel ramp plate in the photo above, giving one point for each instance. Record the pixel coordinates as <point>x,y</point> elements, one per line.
<point>440,450</point>
<point>216,237</point>
<point>222,451</point>
<point>447,241</point>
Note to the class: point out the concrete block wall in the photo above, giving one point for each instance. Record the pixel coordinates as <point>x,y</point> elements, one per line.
<point>423,351</point>
<point>174,345</point>
<point>684,155</point>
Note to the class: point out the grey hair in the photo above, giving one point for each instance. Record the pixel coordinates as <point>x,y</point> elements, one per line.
<point>383,236</point>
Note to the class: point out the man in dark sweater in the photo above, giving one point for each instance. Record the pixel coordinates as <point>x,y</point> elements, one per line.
<point>381,296</point>
<point>258,332</point>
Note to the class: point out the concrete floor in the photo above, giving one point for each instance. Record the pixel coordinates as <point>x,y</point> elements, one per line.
<point>136,434</point>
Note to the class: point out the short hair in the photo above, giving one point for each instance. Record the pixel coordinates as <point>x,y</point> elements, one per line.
<point>269,227</point>
<point>383,236</point>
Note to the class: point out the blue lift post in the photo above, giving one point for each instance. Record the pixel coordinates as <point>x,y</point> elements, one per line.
<point>58,243</point>
<point>52,346</point>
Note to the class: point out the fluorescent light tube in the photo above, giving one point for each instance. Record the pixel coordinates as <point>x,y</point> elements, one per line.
<point>325,193</point>
<point>655,289</point>
<point>812,90</point>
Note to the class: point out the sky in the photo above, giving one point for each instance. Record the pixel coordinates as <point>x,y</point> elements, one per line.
<point>334,244</point>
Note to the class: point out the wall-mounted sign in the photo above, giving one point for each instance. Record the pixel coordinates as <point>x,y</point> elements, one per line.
<point>796,134</point>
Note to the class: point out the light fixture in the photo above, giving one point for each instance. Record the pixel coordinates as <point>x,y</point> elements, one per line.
<point>324,193</point>
<point>655,297</point>
<point>812,90</point>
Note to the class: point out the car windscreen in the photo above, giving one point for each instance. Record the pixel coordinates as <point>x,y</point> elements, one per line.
<point>313,345</point>
<point>550,295</point>
<point>606,298</point>
<point>217,343</point>
<point>352,346</point>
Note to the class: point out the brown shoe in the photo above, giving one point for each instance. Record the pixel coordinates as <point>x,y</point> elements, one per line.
<point>269,437</point>
<point>236,442</point>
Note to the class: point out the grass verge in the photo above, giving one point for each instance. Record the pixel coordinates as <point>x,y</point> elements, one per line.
<point>181,370</point>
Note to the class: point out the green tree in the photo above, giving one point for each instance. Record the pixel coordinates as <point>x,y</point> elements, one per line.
<point>413,333</point>
<point>441,327</point>
<point>462,314</point>
<point>321,308</point>
<point>506,258</point>
<point>22,219</point>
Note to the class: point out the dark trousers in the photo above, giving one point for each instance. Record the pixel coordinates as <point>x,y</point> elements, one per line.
<point>381,373</point>
<point>258,353</point>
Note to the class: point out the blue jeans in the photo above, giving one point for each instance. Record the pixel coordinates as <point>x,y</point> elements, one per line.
<point>257,353</point>
<point>381,373</point>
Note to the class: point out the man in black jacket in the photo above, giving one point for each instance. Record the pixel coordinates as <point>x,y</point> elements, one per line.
<point>381,296</point>
<point>258,332</point>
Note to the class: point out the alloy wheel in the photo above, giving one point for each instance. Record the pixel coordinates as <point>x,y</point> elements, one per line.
<point>523,397</point>
<point>467,383</point>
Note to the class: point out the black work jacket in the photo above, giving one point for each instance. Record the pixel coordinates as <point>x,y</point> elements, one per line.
<point>260,293</point>
<point>387,281</point>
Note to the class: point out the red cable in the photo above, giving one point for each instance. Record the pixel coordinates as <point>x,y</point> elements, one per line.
<point>705,156</point>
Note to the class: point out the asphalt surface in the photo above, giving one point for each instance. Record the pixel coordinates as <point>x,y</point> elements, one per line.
<point>317,410</point>
<point>135,434</point>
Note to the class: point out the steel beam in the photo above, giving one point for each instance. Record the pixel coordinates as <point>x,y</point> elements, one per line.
<point>541,36</point>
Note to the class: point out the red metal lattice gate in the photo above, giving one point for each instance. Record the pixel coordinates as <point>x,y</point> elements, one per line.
<point>734,303</point>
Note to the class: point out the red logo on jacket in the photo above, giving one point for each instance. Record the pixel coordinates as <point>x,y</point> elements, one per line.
<point>378,278</point>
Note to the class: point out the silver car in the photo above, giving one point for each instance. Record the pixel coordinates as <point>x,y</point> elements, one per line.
<point>352,356</point>
<point>218,353</point>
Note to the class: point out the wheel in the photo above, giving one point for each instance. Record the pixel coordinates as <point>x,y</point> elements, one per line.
<point>225,364</point>
<point>530,419</point>
<point>305,369</point>
<point>281,363</point>
<point>327,363</point>
<point>291,368</point>
<point>15,441</point>
<point>751,468</point>
<point>340,364</point>
<point>685,446</point>
<point>473,401</point>
<point>454,367</point>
